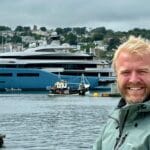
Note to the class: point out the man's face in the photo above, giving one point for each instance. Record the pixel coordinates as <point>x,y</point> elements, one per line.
<point>133,76</point>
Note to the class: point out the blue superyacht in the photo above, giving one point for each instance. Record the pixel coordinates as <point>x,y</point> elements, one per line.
<point>39,68</point>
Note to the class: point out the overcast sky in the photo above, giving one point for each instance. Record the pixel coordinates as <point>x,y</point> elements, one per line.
<point>118,15</point>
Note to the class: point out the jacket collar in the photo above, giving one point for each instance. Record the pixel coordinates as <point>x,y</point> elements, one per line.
<point>122,102</point>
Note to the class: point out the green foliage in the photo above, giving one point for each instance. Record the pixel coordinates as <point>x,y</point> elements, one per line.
<point>66,30</point>
<point>87,47</point>
<point>101,54</point>
<point>2,39</point>
<point>59,31</point>
<point>25,45</point>
<point>22,29</point>
<point>63,31</point>
<point>102,30</point>
<point>5,28</point>
<point>71,39</point>
<point>97,36</point>
<point>140,32</point>
<point>86,39</point>
<point>79,31</point>
<point>113,43</point>
<point>27,29</point>
<point>43,29</point>
<point>16,39</point>
<point>19,29</point>
<point>36,36</point>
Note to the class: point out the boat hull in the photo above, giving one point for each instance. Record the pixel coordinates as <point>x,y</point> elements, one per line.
<point>39,80</point>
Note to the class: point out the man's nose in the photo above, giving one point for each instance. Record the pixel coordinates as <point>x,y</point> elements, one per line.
<point>134,77</point>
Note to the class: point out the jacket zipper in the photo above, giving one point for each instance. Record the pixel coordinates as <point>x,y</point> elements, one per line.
<point>121,138</point>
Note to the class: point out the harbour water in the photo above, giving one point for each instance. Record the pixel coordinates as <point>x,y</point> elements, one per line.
<point>38,122</point>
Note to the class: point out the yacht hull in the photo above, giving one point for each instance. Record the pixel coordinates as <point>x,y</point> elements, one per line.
<point>38,79</point>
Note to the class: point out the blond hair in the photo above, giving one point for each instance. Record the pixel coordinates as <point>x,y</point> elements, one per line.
<point>134,45</point>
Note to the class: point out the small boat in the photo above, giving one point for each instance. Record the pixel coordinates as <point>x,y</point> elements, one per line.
<point>2,136</point>
<point>62,88</point>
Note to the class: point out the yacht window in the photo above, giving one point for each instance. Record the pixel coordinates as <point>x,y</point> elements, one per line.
<point>45,50</point>
<point>5,74</point>
<point>28,74</point>
<point>105,74</point>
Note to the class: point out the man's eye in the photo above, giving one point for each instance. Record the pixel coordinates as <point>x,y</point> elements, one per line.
<point>125,72</point>
<point>143,71</point>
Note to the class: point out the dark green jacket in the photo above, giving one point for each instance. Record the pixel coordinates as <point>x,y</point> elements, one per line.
<point>128,128</point>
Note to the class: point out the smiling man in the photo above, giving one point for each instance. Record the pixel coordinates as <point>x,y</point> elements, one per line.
<point>128,127</point>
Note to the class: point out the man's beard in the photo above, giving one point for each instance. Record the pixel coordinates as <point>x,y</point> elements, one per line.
<point>129,98</point>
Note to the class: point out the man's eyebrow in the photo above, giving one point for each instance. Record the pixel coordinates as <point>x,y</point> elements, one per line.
<point>142,69</point>
<point>145,68</point>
